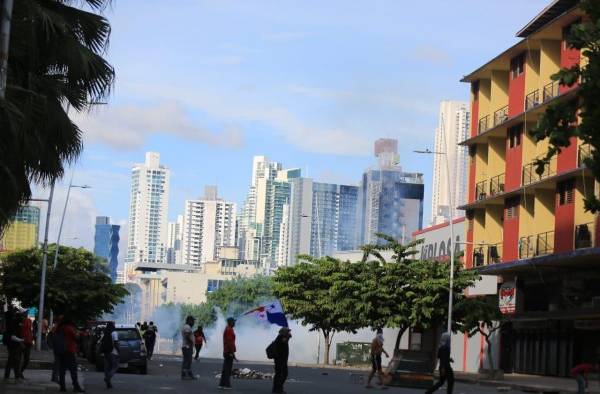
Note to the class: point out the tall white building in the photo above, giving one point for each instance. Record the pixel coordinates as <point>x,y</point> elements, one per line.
<point>174,239</point>
<point>208,224</point>
<point>453,127</point>
<point>148,209</point>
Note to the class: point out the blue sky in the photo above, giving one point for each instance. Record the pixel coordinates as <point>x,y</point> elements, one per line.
<point>312,84</point>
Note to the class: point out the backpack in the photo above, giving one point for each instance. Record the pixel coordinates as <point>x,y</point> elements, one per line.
<point>59,342</point>
<point>271,351</point>
<point>106,346</point>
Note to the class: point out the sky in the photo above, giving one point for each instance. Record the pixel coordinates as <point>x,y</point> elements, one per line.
<point>312,84</point>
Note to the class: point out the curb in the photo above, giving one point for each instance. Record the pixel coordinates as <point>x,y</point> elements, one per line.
<point>519,386</point>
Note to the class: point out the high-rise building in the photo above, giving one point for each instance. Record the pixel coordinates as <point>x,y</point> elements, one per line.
<point>531,227</point>
<point>106,243</point>
<point>22,232</point>
<point>453,128</point>
<point>390,200</point>
<point>149,204</point>
<point>174,240</point>
<point>208,224</point>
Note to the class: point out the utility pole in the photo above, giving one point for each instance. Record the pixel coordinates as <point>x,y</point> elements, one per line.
<point>5,18</point>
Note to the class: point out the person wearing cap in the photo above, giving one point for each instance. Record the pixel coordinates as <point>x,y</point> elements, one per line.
<point>187,348</point>
<point>282,351</point>
<point>228,354</point>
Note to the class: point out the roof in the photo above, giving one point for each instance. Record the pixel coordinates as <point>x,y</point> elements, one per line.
<point>437,226</point>
<point>548,14</point>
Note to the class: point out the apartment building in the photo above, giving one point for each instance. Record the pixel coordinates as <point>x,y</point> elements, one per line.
<point>531,228</point>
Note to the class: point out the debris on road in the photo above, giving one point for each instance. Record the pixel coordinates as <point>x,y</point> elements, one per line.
<point>247,373</point>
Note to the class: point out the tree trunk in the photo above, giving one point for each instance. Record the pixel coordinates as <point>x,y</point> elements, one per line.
<point>398,338</point>
<point>489,351</point>
<point>327,346</point>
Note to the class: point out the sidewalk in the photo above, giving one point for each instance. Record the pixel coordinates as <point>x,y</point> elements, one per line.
<point>529,383</point>
<point>37,381</point>
<point>39,359</point>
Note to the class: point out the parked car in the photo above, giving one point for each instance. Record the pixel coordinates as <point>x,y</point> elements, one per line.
<point>132,349</point>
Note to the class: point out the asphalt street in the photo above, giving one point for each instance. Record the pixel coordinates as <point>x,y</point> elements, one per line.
<point>164,376</point>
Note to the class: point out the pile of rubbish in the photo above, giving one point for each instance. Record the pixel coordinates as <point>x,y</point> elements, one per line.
<point>247,373</point>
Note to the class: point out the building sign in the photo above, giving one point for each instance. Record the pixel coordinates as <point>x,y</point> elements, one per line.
<point>507,298</point>
<point>436,240</point>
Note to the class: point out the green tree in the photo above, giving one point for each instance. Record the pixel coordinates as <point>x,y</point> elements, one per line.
<point>405,292</point>
<point>480,315</point>
<point>79,286</point>
<point>306,292</point>
<point>55,64</point>
<point>236,296</point>
<point>580,116</point>
<point>204,313</point>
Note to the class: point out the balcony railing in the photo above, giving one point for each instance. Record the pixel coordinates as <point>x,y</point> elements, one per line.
<point>583,152</point>
<point>531,175</point>
<point>484,124</point>
<point>585,235</point>
<point>497,185</point>
<point>526,247</point>
<point>532,100</point>
<point>487,254</point>
<point>501,116</point>
<point>479,256</point>
<point>551,90</point>
<point>494,254</point>
<point>481,190</point>
<point>545,243</point>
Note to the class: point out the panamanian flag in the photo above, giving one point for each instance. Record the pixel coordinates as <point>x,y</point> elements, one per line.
<point>271,312</point>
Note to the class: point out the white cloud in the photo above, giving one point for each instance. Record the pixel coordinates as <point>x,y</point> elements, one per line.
<point>126,126</point>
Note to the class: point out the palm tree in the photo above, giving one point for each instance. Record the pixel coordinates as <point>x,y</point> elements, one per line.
<point>55,63</point>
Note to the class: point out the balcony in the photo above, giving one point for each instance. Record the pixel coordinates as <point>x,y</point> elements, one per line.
<point>551,90</point>
<point>497,185</point>
<point>585,235</point>
<point>501,116</point>
<point>484,124</point>
<point>583,152</point>
<point>487,254</point>
<point>479,256</point>
<point>536,245</point>
<point>481,190</point>
<point>530,174</point>
<point>532,100</point>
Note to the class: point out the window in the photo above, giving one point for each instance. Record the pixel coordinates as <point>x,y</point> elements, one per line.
<point>512,207</point>
<point>514,136</point>
<point>517,66</point>
<point>566,192</point>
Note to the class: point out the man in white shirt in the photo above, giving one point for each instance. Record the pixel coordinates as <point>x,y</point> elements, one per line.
<point>110,348</point>
<point>187,348</point>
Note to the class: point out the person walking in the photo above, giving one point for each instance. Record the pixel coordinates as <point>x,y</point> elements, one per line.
<point>228,354</point>
<point>27,335</point>
<point>187,349</point>
<point>50,339</point>
<point>376,351</point>
<point>446,372</point>
<point>14,344</point>
<point>281,353</point>
<point>65,343</point>
<point>150,339</point>
<point>580,373</point>
<point>110,349</point>
<point>199,339</point>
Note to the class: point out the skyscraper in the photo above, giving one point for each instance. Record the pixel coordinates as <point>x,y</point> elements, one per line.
<point>149,204</point>
<point>174,240</point>
<point>208,224</point>
<point>106,243</point>
<point>390,200</point>
<point>453,127</point>
<point>22,232</point>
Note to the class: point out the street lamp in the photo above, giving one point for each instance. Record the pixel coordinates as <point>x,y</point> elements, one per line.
<point>452,240</point>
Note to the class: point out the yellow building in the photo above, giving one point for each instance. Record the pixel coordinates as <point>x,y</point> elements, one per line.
<point>531,229</point>
<point>22,232</point>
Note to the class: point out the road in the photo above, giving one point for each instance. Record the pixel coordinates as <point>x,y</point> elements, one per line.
<point>164,376</point>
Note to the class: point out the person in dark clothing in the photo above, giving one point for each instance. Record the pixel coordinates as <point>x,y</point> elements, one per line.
<point>282,351</point>
<point>110,351</point>
<point>446,372</point>
<point>199,340</point>
<point>228,354</point>
<point>66,356</point>
<point>150,339</point>
<point>14,344</point>
<point>27,331</point>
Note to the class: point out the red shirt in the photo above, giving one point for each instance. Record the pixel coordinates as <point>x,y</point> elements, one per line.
<point>582,369</point>
<point>228,340</point>
<point>198,338</point>
<point>70,338</point>
<point>27,331</point>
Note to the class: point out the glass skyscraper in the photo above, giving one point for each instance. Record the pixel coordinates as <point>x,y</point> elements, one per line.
<point>106,243</point>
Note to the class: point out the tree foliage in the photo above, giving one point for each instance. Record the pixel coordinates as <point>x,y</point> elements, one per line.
<point>55,64</point>
<point>580,116</point>
<point>79,286</point>
<point>236,296</point>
